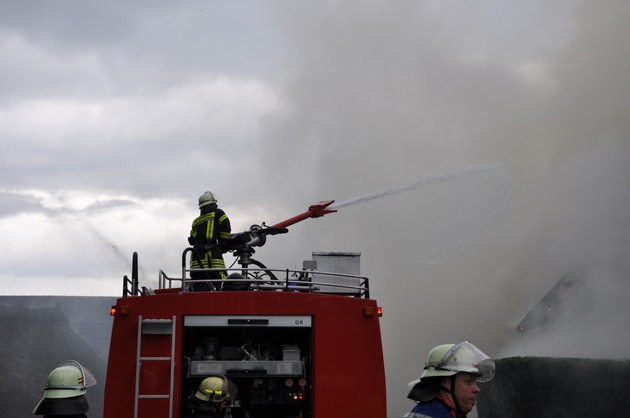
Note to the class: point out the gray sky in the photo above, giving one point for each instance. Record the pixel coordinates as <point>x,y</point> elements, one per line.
<point>503,125</point>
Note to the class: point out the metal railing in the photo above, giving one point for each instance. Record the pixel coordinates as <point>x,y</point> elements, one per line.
<point>256,279</point>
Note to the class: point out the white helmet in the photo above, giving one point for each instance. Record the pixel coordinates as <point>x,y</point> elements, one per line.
<point>448,360</point>
<point>68,380</point>
<point>206,199</point>
<point>63,394</point>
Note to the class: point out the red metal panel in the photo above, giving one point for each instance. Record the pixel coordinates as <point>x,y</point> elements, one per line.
<point>153,408</point>
<point>348,362</point>
<point>155,378</point>
<point>121,368</point>
<point>347,352</point>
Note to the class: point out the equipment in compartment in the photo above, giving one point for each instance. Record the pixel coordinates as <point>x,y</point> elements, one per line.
<point>267,357</point>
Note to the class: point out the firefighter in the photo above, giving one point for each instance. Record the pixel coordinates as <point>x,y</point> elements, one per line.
<point>64,394</point>
<point>448,385</point>
<point>209,232</point>
<point>210,399</point>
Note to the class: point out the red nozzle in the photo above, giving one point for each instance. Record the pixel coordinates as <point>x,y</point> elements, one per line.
<point>320,208</point>
<point>314,211</point>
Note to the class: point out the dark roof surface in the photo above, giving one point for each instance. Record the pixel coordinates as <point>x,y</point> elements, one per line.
<point>40,332</point>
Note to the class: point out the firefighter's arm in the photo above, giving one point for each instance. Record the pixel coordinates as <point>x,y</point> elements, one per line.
<point>191,237</point>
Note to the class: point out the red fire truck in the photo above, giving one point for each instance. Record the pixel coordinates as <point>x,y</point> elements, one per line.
<point>297,343</point>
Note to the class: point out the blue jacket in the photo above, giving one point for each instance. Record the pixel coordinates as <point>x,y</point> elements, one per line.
<point>430,409</point>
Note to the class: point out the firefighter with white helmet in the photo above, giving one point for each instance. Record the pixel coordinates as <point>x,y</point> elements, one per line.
<point>64,394</point>
<point>208,235</point>
<point>210,398</point>
<point>448,386</point>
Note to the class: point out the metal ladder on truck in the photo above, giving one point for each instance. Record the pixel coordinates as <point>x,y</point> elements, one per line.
<point>162,328</point>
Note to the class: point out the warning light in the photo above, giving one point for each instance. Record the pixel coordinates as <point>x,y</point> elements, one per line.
<point>122,310</point>
<point>368,311</point>
<point>297,396</point>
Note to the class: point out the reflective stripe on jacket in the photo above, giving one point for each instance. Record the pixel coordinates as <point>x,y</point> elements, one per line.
<point>207,232</point>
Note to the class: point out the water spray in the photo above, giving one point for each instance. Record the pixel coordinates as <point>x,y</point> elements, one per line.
<point>427,181</point>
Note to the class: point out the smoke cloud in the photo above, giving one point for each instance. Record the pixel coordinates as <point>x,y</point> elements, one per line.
<point>488,142</point>
<point>381,95</point>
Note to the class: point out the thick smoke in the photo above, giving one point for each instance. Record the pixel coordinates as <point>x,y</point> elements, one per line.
<point>380,95</point>
<point>368,98</point>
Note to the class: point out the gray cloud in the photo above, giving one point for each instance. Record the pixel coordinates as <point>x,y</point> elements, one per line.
<point>15,203</point>
<point>382,95</point>
<point>279,106</point>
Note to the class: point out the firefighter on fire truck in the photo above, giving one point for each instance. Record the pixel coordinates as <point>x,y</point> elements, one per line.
<point>208,235</point>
